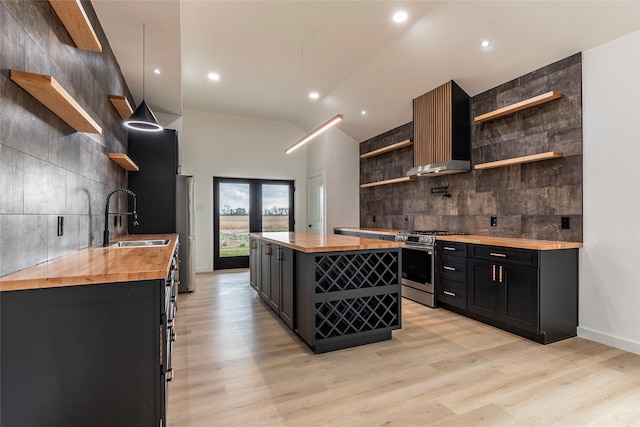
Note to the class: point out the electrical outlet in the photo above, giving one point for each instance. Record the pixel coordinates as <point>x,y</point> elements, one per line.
<point>406,219</point>
<point>60,225</point>
<point>564,222</point>
<point>494,221</point>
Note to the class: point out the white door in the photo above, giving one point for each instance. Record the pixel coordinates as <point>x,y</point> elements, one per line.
<point>316,203</point>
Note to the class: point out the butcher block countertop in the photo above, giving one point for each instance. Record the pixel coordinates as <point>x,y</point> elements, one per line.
<point>380,231</point>
<point>318,242</point>
<point>98,265</point>
<point>509,242</point>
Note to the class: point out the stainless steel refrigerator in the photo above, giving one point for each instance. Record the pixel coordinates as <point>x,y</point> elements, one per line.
<point>185,227</point>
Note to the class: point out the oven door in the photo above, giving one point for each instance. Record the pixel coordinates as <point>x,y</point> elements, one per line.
<point>418,268</point>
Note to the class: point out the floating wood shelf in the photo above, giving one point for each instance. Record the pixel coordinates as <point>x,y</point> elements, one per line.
<point>388,181</point>
<point>53,96</point>
<point>124,161</point>
<point>522,105</point>
<point>122,106</point>
<point>519,160</point>
<point>401,144</point>
<point>75,20</point>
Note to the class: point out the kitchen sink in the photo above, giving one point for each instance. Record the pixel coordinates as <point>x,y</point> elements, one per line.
<point>139,243</point>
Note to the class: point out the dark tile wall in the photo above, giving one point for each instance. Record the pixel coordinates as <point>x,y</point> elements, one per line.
<point>528,200</point>
<point>47,169</point>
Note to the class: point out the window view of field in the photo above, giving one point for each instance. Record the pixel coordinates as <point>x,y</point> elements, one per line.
<point>234,221</point>
<point>234,232</point>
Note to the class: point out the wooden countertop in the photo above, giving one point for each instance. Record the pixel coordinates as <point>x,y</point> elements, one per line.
<point>318,242</point>
<point>98,265</point>
<point>511,242</point>
<point>380,231</point>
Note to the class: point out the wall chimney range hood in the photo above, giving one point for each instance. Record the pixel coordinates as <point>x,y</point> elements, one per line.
<point>442,168</point>
<point>441,132</point>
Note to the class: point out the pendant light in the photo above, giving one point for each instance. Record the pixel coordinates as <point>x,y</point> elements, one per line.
<point>143,118</point>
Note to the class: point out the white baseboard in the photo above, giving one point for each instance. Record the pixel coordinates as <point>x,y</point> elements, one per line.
<point>602,338</point>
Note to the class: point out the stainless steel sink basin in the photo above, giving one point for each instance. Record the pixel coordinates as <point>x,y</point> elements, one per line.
<point>139,243</point>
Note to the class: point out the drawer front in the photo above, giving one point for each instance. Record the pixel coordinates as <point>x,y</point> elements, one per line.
<point>453,268</point>
<point>453,293</point>
<point>453,249</point>
<point>524,257</point>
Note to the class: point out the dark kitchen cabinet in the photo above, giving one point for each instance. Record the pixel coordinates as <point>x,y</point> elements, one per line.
<point>505,293</point>
<point>156,153</point>
<point>254,264</point>
<point>451,276</point>
<point>287,283</point>
<point>98,354</point>
<point>273,277</point>
<point>529,292</point>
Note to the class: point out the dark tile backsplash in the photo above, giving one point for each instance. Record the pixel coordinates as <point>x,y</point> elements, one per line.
<point>528,200</point>
<point>47,169</point>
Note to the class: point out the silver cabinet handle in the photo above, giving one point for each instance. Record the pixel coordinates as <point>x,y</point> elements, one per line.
<point>500,275</point>
<point>497,254</point>
<point>267,249</point>
<point>493,273</point>
<point>447,248</point>
<point>451,294</point>
<point>279,254</point>
<point>446,267</point>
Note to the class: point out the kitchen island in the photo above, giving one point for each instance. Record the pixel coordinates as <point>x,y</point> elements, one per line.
<point>87,337</point>
<point>334,291</point>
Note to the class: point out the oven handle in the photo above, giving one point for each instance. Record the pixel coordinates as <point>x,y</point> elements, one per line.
<point>428,249</point>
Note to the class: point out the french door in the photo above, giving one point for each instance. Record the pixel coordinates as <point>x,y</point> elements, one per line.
<point>242,206</point>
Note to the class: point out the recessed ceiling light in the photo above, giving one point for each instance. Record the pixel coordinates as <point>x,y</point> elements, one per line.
<point>156,71</point>
<point>400,16</point>
<point>485,43</point>
<point>214,76</point>
<point>363,112</point>
<point>314,95</point>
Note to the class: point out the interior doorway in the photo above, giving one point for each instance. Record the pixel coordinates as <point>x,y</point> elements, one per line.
<point>242,206</point>
<point>316,202</point>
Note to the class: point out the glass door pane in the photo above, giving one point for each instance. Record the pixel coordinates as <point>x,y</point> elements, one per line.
<point>234,219</point>
<point>275,207</point>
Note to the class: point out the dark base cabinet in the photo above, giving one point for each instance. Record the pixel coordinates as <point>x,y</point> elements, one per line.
<point>533,293</point>
<point>333,300</point>
<point>346,299</point>
<point>272,276</point>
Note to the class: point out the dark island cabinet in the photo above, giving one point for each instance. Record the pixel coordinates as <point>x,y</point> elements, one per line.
<point>272,277</point>
<point>87,355</point>
<point>529,292</point>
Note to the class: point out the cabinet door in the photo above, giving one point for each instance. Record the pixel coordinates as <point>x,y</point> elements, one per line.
<point>274,282</point>
<point>287,307</point>
<point>254,264</point>
<point>265,270</point>
<point>520,289</point>
<point>482,297</point>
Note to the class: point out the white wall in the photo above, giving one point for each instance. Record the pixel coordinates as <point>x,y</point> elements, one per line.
<point>229,146</point>
<point>610,261</point>
<point>338,156</point>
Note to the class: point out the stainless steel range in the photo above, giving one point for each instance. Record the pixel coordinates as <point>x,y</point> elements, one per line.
<point>418,264</point>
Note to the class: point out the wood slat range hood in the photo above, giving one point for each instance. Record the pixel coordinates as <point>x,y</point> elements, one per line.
<point>441,132</point>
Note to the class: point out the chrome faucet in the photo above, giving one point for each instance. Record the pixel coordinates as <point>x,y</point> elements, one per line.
<point>106,235</point>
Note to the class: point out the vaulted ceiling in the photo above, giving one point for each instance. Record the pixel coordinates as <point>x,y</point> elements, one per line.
<point>271,54</point>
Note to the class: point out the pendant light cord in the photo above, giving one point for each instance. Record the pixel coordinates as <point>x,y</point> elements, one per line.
<point>143,56</point>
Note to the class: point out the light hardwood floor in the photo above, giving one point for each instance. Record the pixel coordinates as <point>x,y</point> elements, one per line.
<point>237,364</point>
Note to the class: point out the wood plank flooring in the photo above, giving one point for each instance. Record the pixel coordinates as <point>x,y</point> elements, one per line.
<point>237,364</point>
